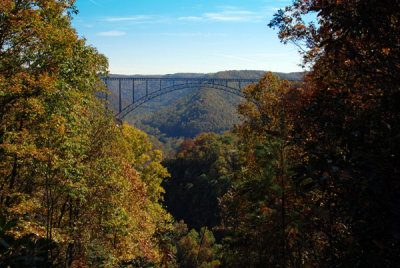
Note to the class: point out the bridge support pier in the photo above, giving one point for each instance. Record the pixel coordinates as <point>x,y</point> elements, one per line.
<point>133,91</point>
<point>120,96</point>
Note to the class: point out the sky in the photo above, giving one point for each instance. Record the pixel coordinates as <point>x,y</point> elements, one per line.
<point>185,36</point>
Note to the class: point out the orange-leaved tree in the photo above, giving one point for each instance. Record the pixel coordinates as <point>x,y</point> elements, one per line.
<point>264,210</point>
<point>350,124</point>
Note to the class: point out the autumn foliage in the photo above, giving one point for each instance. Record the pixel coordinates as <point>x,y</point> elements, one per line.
<point>311,180</point>
<point>68,172</point>
<point>333,201</point>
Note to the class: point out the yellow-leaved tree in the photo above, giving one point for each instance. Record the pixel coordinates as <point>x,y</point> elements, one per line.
<point>84,190</point>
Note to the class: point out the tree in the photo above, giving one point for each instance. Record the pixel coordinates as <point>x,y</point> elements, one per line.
<point>198,250</point>
<point>350,124</point>
<point>262,210</point>
<point>201,173</point>
<point>68,172</point>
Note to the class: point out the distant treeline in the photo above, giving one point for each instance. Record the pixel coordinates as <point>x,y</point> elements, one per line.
<point>234,74</point>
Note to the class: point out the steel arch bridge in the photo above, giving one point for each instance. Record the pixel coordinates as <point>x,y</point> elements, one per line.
<point>139,90</point>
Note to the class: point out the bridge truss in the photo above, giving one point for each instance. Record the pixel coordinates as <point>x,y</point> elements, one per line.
<point>135,91</point>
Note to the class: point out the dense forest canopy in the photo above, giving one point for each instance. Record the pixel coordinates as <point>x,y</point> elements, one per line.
<point>328,195</point>
<point>201,172</point>
<point>318,174</point>
<point>308,177</point>
<point>76,189</point>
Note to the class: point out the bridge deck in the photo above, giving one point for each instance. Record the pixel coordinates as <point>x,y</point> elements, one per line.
<point>143,89</point>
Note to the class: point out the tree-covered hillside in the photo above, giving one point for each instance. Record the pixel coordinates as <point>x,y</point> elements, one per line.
<point>186,113</point>
<point>203,110</point>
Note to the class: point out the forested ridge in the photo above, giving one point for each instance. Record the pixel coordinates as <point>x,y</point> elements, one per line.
<point>171,118</point>
<point>308,177</point>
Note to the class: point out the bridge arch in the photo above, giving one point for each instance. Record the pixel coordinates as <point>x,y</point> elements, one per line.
<point>167,85</point>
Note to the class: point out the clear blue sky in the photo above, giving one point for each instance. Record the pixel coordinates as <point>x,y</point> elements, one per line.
<point>170,36</point>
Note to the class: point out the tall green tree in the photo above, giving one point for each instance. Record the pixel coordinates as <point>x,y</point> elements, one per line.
<point>201,172</point>
<point>197,250</point>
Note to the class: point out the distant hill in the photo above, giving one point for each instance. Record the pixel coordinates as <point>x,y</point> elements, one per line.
<point>185,113</point>
<point>244,74</point>
<point>247,74</point>
<point>205,110</point>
